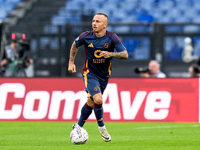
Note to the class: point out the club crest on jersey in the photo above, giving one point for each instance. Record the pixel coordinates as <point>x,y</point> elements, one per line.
<point>106,45</point>
<point>95,88</point>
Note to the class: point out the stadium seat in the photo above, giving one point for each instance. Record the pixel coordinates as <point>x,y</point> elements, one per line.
<point>191,28</point>
<point>3,14</point>
<point>75,19</point>
<point>140,29</point>
<point>58,20</point>
<point>163,11</point>
<point>121,29</point>
<point>165,19</point>
<point>130,44</point>
<point>50,29</point>
<point>54,43</point>
<point>146,18</point>
<point>196,51</point>
<point>174,28</point>
<point>179,41</point>
<point>175,53</point>
<point>13,1</point>
<point>169,43</point>
<point>8,6</point>
<point>196,39</point>
<point>73,4</point>
<point>182,19</point>
<point>141,53</point>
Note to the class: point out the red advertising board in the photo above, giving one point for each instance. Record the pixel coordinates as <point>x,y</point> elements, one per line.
<point>125,99</point>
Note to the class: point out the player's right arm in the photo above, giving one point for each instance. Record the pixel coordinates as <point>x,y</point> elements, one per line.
<point>73,52</point>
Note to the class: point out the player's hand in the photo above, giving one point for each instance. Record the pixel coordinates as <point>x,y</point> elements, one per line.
<point>71,67</point>
<point>105,54</point>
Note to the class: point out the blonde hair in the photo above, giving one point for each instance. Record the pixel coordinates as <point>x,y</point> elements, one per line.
<point>103,15</point>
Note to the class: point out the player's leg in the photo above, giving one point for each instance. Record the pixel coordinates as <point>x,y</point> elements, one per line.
<point>85,112</point>
<point>94,89</point>
<point>98,110</point>
<point>88,107</point>
<point>98,100</point>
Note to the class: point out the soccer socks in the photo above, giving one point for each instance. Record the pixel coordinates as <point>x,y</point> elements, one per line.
<point>98,110</point>
<point>85,113</point>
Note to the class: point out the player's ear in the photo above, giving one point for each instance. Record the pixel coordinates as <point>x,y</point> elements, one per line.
<point>105,25</point>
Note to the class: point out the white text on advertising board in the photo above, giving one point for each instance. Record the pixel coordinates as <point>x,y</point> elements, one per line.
<point>157,103</point>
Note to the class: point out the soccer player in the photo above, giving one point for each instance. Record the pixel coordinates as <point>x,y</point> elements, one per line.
<point>99,51</point>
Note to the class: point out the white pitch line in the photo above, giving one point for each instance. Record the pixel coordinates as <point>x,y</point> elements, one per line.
<point>160,127</point>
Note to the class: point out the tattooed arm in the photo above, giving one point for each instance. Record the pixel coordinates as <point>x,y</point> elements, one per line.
<point>73,52</point>
<point>117,55</point>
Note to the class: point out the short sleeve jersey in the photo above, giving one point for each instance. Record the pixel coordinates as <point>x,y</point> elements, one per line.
<point>96,64</point>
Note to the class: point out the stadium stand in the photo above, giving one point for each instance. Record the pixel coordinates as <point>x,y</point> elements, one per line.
<point>6,6</point>
<point>135,11</point>
<point>62,12</point>
<point>14,10</point>
<point>72,11</point>
<point>165,11</point>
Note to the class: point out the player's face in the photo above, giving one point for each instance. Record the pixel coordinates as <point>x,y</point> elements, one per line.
<point>99,23</point>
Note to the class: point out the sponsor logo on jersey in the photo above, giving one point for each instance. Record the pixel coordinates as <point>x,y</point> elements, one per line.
<point>90,45</point>
<point>96,53</point>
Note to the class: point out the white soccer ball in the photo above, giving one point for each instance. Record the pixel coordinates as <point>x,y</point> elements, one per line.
<point>79,136</point>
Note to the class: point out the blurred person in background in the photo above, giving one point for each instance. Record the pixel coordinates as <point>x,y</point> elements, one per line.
<point>154,69</point>
<point>144,72</point>
<point>188,50</point>
<point>15,60</point>
<point>99,50</point>
<point>194,71</point>
<point>198,62</point>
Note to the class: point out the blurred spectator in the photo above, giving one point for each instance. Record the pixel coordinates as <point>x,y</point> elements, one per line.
<point>188,49</point>
<point>154,69</point>
<point>198,61</point>
<point>144,75</point>
<point>144,72</point>
<point>194,71</point>
<point>15,60</point>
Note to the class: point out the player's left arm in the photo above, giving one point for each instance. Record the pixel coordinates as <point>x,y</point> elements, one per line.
<point>121,52</point>
<point>117,55</point>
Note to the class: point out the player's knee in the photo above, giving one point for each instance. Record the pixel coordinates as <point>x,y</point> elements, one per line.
<point>90,102</point>
<point>98,98</point>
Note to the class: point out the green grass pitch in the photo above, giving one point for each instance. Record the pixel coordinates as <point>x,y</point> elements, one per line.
<point>125,136</point>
